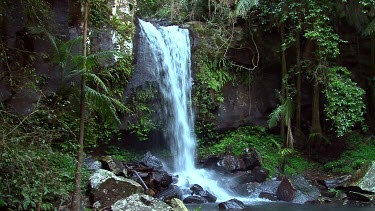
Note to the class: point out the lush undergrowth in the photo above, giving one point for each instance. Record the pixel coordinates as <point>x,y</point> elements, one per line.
<point>360,152</point>
<point>269,146</point>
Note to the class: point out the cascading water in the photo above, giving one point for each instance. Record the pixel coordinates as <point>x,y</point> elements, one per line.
<point>169,49</point>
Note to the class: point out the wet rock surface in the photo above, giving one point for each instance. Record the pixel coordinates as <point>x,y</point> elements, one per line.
<point>286,190</point>
<point>232,204</point>
<point>140,202</point>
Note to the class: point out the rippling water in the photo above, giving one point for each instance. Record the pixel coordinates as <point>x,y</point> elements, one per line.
<point>279,206</point>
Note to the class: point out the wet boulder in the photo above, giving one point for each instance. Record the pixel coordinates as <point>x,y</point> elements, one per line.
<point>269,186</point>
<point>199,191</point>
<point>157,180</point>
<point>251,159</point>
<point>260,174</point>
<point>286,190</point>
<point>367,182</point>
<point>232,163</point>
<point>195,200</point>
<point>196,188</point>
<point>169,193</point>
<point>137,202</point>
<point>111,164</point>
<point>306,192</point>
<point>152,161</point>
<point>232,204</point>
<point>105,188</point>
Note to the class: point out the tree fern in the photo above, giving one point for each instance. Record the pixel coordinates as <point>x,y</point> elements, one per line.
<point>244,6</point>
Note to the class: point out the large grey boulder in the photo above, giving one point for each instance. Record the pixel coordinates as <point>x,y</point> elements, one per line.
<point>177,205</point>
<point>367,182</point>
<point>140,202</point>
<point>106,188</point>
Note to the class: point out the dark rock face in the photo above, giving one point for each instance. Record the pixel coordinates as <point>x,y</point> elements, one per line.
<point>24,101</point>
<point>106,188</point>
<point>5,91</point>
<point>241,107</point>
<point>286,190</point>
<point>232,204</point>
<point>111,164</point>
<point>195,200</point>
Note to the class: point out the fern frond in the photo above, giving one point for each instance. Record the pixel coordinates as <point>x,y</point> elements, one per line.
<point>370,29</point>
<point>92,77</point>
<point>243,6</point>
<point>103,104</point>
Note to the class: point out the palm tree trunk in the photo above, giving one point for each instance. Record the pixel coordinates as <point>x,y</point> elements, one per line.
<point>283,85</point>
<point>76,200</point>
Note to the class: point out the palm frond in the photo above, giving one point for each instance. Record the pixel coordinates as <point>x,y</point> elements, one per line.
<point>369,29</point>
<point>244,6</point>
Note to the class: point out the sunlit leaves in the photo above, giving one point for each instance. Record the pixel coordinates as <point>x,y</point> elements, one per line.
<point>345,106</point>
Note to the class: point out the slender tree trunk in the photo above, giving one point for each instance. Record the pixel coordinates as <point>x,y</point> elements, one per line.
<point>371,103</point>
<point>298,83</point>
<point>316,128</point>
<point>76,200</point>
<point>283,83</point>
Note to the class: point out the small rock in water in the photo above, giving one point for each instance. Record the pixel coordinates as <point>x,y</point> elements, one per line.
<point>269,196</point>
<point>169,193</point>
<point>232,204</point>
<point>196,189</point>
<point>195,200</point>
<point>207,195</point>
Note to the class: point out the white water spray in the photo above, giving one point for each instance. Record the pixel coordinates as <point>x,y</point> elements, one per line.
<point>170,55</point>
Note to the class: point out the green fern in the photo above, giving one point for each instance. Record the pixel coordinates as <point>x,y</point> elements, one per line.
<point>106,106</point>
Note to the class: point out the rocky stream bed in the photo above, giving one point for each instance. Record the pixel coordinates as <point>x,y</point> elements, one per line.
<point>145,185</point>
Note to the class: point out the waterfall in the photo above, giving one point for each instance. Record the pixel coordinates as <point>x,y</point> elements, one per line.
<point>169,50</point>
